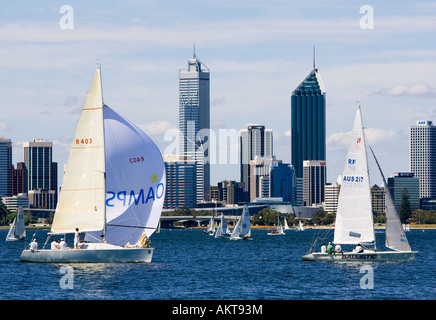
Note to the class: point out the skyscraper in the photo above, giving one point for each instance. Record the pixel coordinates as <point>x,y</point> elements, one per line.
<point>255,141</point>
<point>5,167</point>
<point>194,120</point>
<point>308,122</point>
<point>40,172</point>
<point>314,179</point>
<point>423,157</point>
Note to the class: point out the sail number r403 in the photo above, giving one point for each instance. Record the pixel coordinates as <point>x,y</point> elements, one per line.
<point>84,141</point>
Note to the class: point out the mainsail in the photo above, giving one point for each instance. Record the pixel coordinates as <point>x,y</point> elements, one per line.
<point>395,237</point>
<point>354,220</point>
<point>114,183</point>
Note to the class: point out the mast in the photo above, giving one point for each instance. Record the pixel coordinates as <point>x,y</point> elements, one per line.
<point>104,151</point>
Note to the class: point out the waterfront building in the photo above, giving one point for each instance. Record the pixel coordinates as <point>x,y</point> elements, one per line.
<point>40,174</point>
<point>404,180</point>
<point>5,167</point>
<point>18,179</point>
<point>15,201</point>
<point>378,199</point>
<point>194,120</point>
<point>423,157</point>
<point>314,179</point>
<point>180,181</point>
<point>282,178</point>
<point>331,196</point>
<point>254,141</point>
<point>260,182</point>
<point>308,122</point>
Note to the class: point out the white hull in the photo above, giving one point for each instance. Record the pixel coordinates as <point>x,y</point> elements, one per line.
<point>276,234</point>
<point>370,256</point>
<point>95,253</point>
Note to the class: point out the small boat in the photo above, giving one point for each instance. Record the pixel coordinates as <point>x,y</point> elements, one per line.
<point>222,230</point>
<point>300,226</point>
<point>17,230</point>
<point>211,228</point>
<point>113,189</point>
<point>354,223</point>
<point>286,227</point>
<point>242,230</point>
<point>279,230</point>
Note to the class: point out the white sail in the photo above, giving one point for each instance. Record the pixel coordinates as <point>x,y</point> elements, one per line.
<point>245,222</point>
<point>300,226</point>
<point>236,229</point>
<point>395,237</point>
<point>354,220</point>
<point>286,225</point>
<point>135,181</point>
<point>20,230</point>
<point>81,201</point>
<point>11,233</point>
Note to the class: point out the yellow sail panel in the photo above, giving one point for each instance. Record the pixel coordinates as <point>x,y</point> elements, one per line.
<point>82,197</point>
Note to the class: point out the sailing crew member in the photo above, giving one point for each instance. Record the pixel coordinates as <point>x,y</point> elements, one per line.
<point>76,239</point>
<point>329,248</point>
<point>33,245</point>
<point>358,248</point>
<point>323,248</point>
<point>63,245</point>
<point>54,245</point>
<point>338,248</point>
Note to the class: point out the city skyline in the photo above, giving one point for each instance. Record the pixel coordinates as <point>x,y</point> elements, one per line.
<point>257,53</point>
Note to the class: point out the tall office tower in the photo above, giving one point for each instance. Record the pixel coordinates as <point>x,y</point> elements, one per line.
<point>40,172</point>
<point>194,120</point>
<point>255,141</point>
<point>260,182</point>
<point>423,157</point>
<point>5,167</point>
<point>331,196</point>
<point>181,179</point>
<point>404,180</point>
<point>18,178</point>
<point>314,179</point>
<point>308,122</point>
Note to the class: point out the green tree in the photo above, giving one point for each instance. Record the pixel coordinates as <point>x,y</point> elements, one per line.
<point>405,213</point>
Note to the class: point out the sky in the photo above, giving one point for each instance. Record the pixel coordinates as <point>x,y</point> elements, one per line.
<point>379,55</point>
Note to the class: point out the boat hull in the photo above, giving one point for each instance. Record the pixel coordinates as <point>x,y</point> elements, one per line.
<point>374,256</point>
<point>93,254</point>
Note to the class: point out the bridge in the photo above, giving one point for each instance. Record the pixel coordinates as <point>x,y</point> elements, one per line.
<point>167,222</point>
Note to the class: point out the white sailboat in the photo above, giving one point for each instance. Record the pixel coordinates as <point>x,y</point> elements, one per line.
<point>300,226</point>
<point>211,227</point>
<point>286,227</point>
<point>354,219</point>
<point>242,230</point>
<point>222,230</point>
<point>279,230</point>
<point>113,189</point>
<point>17,230</point>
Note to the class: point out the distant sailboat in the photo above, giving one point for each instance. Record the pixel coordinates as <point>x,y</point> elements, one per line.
<point>286,227</point>
<point>211,227</point>
<point>17,230</point>
<point>242,230</point>
<point>279,230</point>
<point>222,230</point>
<point>300,226</point>
<point>113,189</point>
<point>354,219</point>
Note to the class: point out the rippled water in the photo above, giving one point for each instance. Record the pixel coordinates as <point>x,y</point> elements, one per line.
<point>190,265</point>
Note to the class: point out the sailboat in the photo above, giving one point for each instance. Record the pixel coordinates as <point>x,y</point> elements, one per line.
<point>211,227</point>
<point>17,230</point>
<point>222,230</point>
<point>113,189</point>
<point>279,231</point>
<point>354,219</point>
<point>242,230</point>
<point>300,226</point>
<point>286,227</point>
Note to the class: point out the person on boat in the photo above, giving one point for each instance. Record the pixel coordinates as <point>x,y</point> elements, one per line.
<point>358,248</point>
<point>245,237</point>
<point>323,248</point>
<point>33,245</point>
<point>63,245</point>
<point>54,245</point>
<point>77,238</point>
<point>329,248</point>
<point>338,248</point>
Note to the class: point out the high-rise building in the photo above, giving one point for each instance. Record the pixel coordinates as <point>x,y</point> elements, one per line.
<point>308,122</point>
<point>194,120</point>
<point>5,167</point>
<point>404,180</point>
<point>423,157</point>
<point>331,196</point>
<point>18,179</point>
<point>378,201</point>
<point>254,141</point>
<point>314,179</point>
<point>40,172</point>
<point>180,182</point>
<point>283,181</point>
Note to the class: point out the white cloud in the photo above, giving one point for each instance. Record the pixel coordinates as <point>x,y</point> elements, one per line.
<point>340,140</point>
<point>157,127</point>
<point>415,90</point>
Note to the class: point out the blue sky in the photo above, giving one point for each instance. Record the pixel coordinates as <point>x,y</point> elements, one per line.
<point>257,53</point>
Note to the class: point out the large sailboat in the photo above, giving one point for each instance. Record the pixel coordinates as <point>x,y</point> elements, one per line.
<point>18,229</point>
<point>354,219</point>
<point>113,189</point>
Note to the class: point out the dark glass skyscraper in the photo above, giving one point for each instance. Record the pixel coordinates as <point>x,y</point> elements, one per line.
<point>308,122</point>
